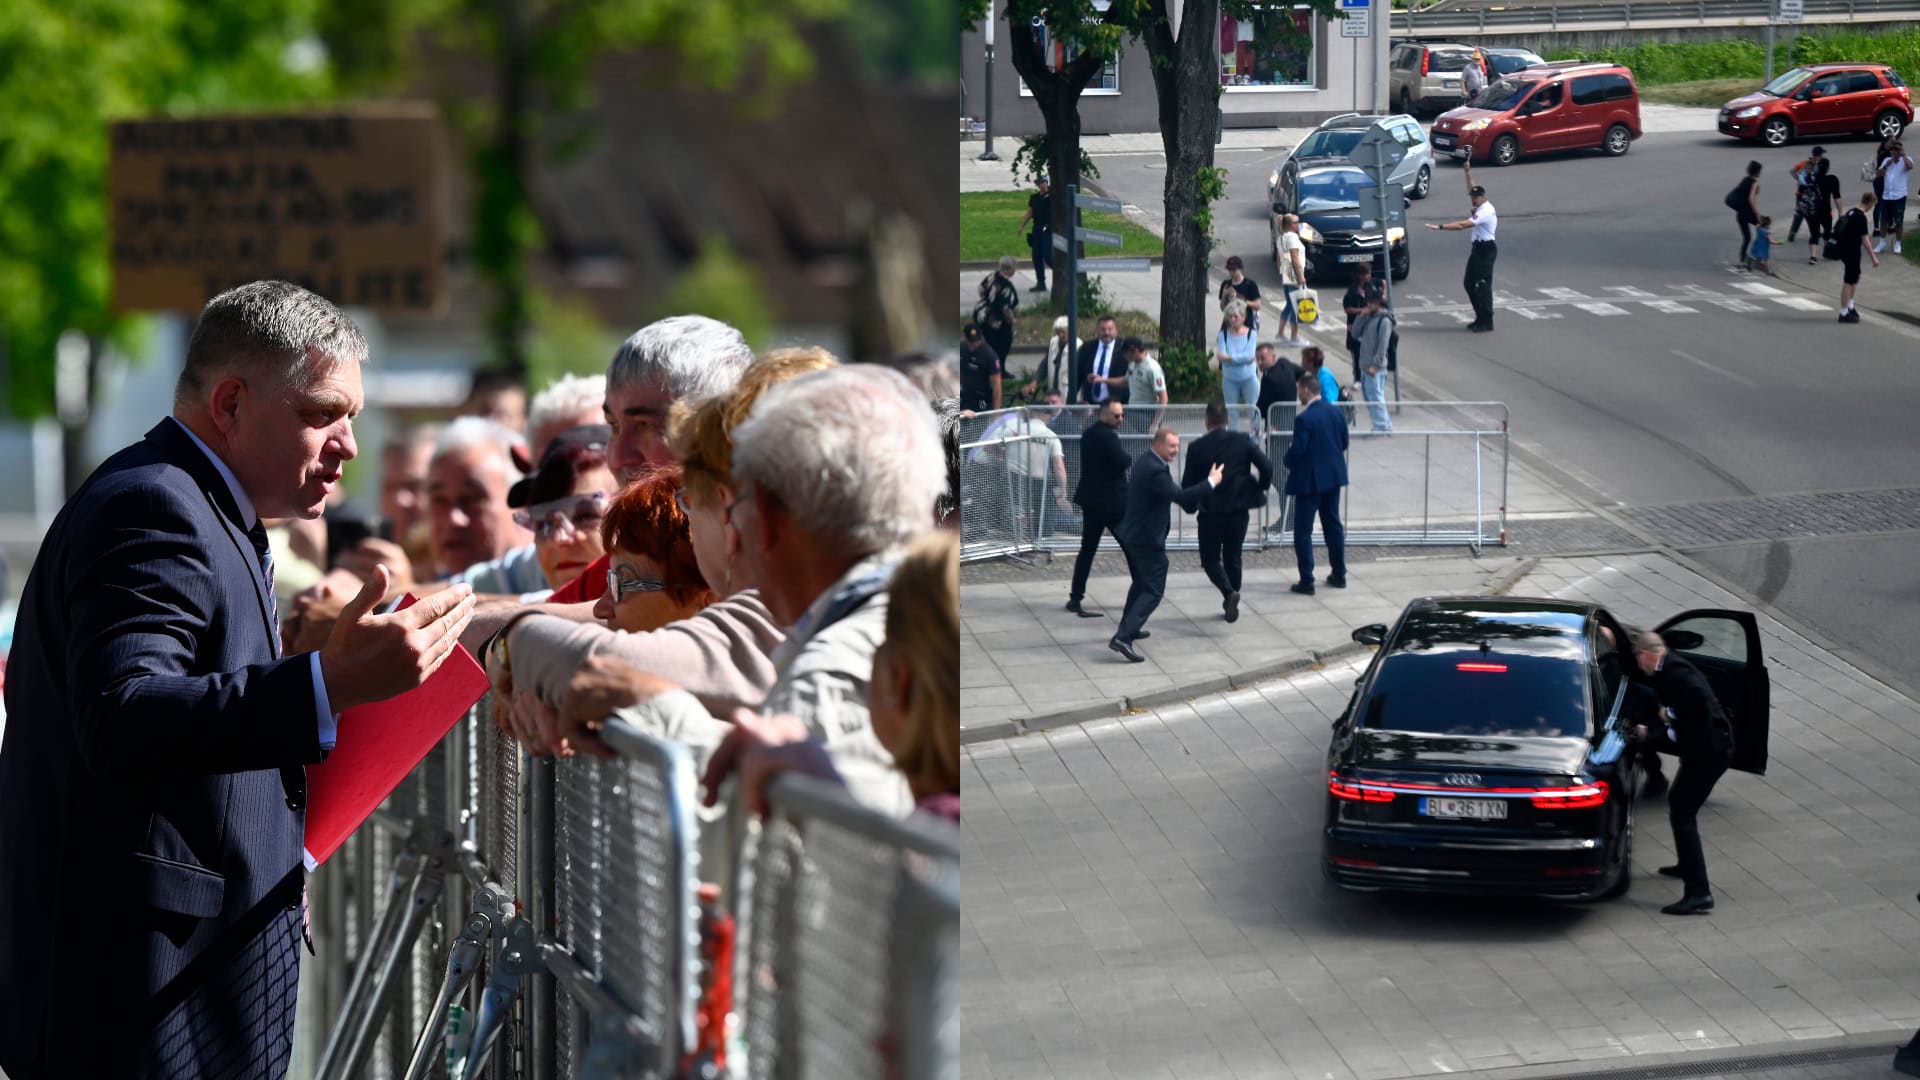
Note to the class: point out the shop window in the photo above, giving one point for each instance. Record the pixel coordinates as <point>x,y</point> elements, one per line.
<point>1273,49</point>
<point>1059,54</point>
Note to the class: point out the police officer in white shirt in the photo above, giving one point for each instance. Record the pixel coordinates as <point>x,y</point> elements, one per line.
<point>1479,280</point>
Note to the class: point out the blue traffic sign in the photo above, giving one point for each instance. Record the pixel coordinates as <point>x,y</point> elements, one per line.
<point>1355,3</point>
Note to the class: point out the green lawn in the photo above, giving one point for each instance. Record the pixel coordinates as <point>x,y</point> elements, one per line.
<point>1706,93</point>
<point>989,223</point>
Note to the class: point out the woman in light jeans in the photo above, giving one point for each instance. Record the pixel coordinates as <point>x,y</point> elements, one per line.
<point>1233,355</point>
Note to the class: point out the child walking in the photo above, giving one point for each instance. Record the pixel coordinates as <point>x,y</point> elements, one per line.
<point>1763,246</point>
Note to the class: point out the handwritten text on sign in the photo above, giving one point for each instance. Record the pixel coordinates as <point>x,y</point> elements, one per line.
<point>352,206</point>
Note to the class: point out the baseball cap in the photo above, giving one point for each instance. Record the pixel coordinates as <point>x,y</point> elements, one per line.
<point>554,478</point>
<point>972,332</point>
<point>1376,291</point>
<point>1819,151</point>
<point>1478,192</point>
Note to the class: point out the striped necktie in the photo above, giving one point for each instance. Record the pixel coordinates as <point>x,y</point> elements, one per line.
<point>264,551</point>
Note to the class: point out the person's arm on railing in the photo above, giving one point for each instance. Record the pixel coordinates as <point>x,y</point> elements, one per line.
<point>761,748</point>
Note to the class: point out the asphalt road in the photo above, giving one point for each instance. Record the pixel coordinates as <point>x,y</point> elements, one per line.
<point>1727,389</point>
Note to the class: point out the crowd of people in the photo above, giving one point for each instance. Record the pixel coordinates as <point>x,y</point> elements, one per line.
<point>1849,235</point>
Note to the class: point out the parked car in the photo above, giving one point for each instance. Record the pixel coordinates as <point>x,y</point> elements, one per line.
<point>1821,99</point>
<point>1427,75</point>
<point>1333,141</point>
<point>1485,748</point>
<point>1327,198</point>
<point>1507,61</point>
<point>1564,105</point>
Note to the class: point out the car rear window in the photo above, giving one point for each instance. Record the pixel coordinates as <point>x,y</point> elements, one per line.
<point>1453,672</point>
<point>1894,79</point>
<point>1449,60</point>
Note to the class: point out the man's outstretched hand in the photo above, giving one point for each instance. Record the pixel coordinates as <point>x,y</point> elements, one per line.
<point>370,658</point>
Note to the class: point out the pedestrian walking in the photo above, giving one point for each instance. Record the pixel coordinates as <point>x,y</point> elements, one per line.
<point>994,313</point>
<point>1101,495</point>
<point>1762,250</point>
<point>1744,201</point>
<point>1151,495</point>
<point>1055,375</point>
<point>1825,208</point>
<point>1376,328</point>
<point>1146,385</point>
<point>981,372</point>
<point>1222,514</point>
<point>1485,222</point>
<point>1316,463</point>
<point>1852,239</point>
<point>1290,259</point>
<point>1355,305</point>
<point>1880,155</point>
<point>1805,173</point>
<point>1246,289</point>
<point>1040,240</point>
<point>1233,350</point>
<point>1894,174</point>
<point>1695,730</point>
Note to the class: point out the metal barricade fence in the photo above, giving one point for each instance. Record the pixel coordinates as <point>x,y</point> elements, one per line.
<point>1439,477</point>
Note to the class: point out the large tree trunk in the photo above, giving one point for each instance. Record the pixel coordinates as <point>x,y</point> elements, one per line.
<point>1186,79</point>
<point>1057,94</point>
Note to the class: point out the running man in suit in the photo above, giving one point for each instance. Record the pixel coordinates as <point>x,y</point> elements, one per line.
<point>1316,471</point>
<point>1695,730</point>
<point>1223,511</point>
<point>1101,495</point>
<point>151,783</point>
<point>1151,494</point>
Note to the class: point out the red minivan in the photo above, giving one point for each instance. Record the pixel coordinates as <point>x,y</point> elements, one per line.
<point>1821,99</point>
<point>1566,105</point>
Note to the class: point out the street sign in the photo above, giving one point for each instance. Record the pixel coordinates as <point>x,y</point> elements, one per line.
<point>1115,266</point>
<point>1792,10</point>
<point>1377,150</point>
<point>1061,243</point>
<point>1383,207</point>
<point>1355,3</point>
<point>1357,25</point>
<point>1097,236</point>
<point>1095,202</point>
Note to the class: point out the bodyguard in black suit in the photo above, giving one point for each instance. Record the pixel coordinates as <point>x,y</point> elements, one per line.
<point>1101,495</point>
<point>1316,471</point>
<point>1223,511</point>
<point>1695,730</point>
<point>151,781</point>
<point>1097,362</point>
<point>1151,494</point>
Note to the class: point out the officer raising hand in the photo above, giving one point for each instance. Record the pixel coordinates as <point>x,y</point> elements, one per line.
<point>1479,278</point>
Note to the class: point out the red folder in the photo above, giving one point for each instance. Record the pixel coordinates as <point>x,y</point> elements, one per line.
<point>377,745</point>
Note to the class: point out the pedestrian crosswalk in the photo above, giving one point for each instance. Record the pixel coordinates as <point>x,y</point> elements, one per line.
<point>1543,303</point>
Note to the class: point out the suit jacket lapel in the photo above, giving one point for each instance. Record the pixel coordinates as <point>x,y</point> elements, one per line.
<point>175,446</point>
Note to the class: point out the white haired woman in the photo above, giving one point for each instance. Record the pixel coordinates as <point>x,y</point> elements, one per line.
<point>1056,371</point>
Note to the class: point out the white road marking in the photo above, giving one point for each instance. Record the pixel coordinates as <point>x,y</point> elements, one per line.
<point>1565,294</point>
<point>1630,292</point>
<point>1756,288</point>
<point>1601,309</point>
<point>1672,307</point>
<point>1737,305</point>
<point>1531,313</point>
<point>1716,369</point>
<point>1804,303</point>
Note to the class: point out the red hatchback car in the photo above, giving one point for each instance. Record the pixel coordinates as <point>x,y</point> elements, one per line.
<point>1565,105</point>
<point>1821,99</point>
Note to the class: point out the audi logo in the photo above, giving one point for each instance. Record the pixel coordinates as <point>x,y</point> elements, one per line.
<point>1462,779</point>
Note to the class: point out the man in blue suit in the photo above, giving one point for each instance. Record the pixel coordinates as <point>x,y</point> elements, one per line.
<point>151,780</point>
<point>1142,533</point>
<point>1316,471</point>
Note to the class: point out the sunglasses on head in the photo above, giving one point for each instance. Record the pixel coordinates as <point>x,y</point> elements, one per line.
<point>581,512</point>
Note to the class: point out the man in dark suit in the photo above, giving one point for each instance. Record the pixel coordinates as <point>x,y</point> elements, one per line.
<point>1316,471</point>
<point>1101,495</point>
<point>1099,371</point>
<point>1695,730</point>
<point>1277,378</point>
<point>1151,494</point>
<point>1223,511</point>
<point>151,782</point>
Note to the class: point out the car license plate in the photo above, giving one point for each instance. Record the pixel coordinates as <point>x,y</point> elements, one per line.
<point>1355,258</point>
<point>1444,142</point>
<point>1451,84</point>
<point>1476,809</point>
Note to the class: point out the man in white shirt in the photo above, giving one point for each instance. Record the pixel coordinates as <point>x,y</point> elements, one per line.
<point>1894,173</point>
<point>1479,278</point>
<point>1097,369</point>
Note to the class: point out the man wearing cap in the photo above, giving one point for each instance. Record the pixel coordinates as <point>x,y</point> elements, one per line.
<point>1479,279</point>
<point>1374,331</point>
<point>1040,240</point>
<point>981,369</point>
<point>562,502</point>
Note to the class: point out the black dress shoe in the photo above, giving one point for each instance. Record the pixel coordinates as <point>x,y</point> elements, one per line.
<point>1074,606</point>
<point>1669,871</point>
<point>1126,649</point>
<point>1233,607</point>
<point>1337,582</point>
<point>1690,905</point>
<point>1656,787</point>
<point>1304,588</point>
<point>1481,328</point>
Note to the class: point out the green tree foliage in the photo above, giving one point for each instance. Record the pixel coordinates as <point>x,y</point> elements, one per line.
<point>722,285</point>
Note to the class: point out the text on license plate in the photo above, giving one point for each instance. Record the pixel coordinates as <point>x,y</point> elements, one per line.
<point>1443,140</point>
<point>1450,83</point>
<point>1356,258</point>
<point>1477,809</point>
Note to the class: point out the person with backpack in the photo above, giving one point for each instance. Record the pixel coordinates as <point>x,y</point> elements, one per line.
<point>1744,201</point>
<point>1853,238</point>
<point>999,299</point>
<point>1375,330</point>
<point>1825,206</point>
<point>1804,175</point>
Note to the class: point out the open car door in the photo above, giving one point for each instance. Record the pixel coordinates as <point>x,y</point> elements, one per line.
<point>1725,646</point>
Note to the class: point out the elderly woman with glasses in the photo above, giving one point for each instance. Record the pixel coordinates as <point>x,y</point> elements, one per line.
<point>653,577</point>
<point>563,502</point>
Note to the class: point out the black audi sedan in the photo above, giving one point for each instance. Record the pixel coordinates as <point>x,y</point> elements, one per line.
<point>1326,195</point>
<point>1485,749</point>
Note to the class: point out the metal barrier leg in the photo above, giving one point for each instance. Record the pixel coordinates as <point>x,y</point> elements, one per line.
<point>406,871</point>
<point>491,910</point>
<point>520,959</point>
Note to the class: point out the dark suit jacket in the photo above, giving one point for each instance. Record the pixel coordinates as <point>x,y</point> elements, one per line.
<point>151,874</point>
<point>1234,450</point>
<point>1701,728</point>
<point>1280,383</point>
<point>1151,494</point>
<point>1317,457</point>
<point>1083,367</point>
<point>1103,471</point>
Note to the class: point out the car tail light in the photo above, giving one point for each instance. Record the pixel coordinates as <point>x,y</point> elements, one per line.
<point>1584,797</point>
<point>1355,792</point>
<point>1359,864</point>
<point>1425,56</point>
<point>1478,666</point>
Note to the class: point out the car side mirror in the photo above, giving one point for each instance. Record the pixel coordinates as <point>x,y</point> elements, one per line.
<point>1371,634</point>
<point>1682,640</point>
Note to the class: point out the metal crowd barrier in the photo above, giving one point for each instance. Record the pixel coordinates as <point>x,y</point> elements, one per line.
<point>519,918</point>
<point>1438,478</point>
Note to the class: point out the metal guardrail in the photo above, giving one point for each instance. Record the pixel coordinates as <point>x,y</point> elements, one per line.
<point>1486,16</point>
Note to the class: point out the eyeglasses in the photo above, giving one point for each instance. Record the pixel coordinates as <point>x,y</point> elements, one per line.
<point>580,513</point>
<point>622,587</point>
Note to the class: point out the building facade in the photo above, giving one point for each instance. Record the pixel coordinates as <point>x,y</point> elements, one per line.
<point>1287,66</point>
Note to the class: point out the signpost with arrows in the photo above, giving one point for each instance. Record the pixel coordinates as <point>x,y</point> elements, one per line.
<point>1077,265</point>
